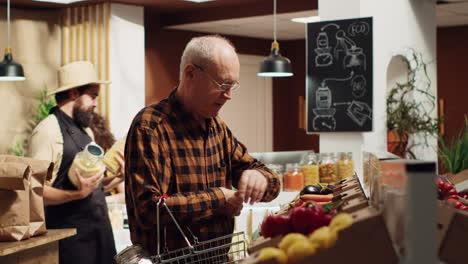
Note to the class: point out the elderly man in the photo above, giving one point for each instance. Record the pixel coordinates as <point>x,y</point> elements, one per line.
<point>58,138</point>
<point>180,147</point>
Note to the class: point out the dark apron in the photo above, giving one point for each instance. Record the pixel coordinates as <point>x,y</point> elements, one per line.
<point>94,241</point>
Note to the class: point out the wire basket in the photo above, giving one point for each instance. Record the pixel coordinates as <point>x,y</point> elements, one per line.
<point>225,249</point>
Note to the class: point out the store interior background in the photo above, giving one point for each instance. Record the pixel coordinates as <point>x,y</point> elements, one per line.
<point>147,38</point>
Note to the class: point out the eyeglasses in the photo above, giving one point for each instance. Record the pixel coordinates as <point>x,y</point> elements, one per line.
<point>224,86</point>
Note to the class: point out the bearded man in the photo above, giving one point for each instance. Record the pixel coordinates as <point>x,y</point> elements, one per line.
<point>58,138</point>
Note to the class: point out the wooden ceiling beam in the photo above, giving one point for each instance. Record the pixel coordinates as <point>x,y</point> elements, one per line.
<point>230,12</point>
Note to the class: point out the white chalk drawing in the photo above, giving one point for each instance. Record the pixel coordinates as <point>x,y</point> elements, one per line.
<point>323,50</point>
<point>358,111</point>
<point>338,79</point>
<point>358,28</point>
<point>354,56</point>
<point>345,54</point>
<point>330,24</point>
<point>324,123</point>
<point>324,119</point>
<point>358,83</point>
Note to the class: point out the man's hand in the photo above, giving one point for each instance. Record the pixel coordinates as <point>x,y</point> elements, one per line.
<point>110,183</point>
<point>234,202</point>
<point>252,186</point>
<point>89,184</point>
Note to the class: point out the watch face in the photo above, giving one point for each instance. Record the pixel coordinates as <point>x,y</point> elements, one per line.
<point>324,123</point>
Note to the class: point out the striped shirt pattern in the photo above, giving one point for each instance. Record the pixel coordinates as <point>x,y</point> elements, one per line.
<point>168,152</point>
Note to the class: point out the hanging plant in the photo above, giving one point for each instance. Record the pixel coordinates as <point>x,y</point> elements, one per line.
<point>410,105</point>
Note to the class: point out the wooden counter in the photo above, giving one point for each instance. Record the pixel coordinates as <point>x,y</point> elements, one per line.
<point>39,250</point>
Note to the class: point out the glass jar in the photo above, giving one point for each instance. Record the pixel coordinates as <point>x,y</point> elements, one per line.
<point>327,168</point>
<point>310,169</point>
<point>278,169</point>
<point>88,162</point>
<point>109,158</point>
<point>345,165</point>
<point>133,255</point>
<point>293,179</point>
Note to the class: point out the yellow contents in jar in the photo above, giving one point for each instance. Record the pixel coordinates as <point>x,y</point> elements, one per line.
<point>109,158</point>
<point>311,174</point>
<point>345,168</point>
<point>86,168</point>
<point>327,173</point>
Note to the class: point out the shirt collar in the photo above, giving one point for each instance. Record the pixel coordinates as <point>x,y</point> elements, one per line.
<point>179,112</point>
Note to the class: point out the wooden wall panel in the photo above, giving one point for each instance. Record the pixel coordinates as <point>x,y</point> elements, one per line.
<point>452,76</point>
<point>288,134</point>
<point>85,36</point>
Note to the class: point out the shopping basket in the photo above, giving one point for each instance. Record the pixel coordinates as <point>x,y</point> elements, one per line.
<point>224,249</point>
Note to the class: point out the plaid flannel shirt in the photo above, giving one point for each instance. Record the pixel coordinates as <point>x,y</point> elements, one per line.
<point>167,152</point>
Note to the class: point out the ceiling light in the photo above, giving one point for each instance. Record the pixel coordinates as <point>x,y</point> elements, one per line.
<point>306,19</point>
<point>65,2</point>
<point>275,65</point>
<point>10,70</point>
<point>198,1</point>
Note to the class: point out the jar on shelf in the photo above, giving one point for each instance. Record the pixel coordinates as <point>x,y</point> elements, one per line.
<point>310,169</point>
<point>88,162</point>
<point>293,179</point>
<point>278,169</point>
<point>327,168</point>
<point>345,165</point>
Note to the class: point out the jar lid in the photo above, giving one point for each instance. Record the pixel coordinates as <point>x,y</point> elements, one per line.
<point>94,149</point>
<point>129,254</point>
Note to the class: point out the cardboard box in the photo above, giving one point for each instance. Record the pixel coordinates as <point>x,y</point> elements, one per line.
<point>353,193</point>
<point>354,205</point>
<point>453,230</point>
<point>365,242</point>
<point>345,186</point>
<point>459,180</point>
<point>262,242</point>
<point>348,180</point>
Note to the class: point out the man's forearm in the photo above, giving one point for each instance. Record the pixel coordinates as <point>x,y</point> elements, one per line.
<point>54,196</point>
<point>191,205</point>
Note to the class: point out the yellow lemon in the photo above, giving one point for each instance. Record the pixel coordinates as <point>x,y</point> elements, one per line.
<point>341,221</point>
<point>289,239</point>
<point>300,250</point>
<point>324,237</point>
<point>273,253</point>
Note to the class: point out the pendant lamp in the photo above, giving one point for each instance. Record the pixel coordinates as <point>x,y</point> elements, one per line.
<point>9,69</point>
<point>275,65</point>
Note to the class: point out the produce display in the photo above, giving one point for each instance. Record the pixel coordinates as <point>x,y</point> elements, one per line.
<point>446,191</point>
<point>295,246</point>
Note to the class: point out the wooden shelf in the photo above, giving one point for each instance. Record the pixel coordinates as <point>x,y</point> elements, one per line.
<point>52,235</point>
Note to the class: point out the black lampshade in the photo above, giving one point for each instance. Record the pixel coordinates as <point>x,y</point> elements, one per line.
<point>275,65</point>
<point>10,70</point>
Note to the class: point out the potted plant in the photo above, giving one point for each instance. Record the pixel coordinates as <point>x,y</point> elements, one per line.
<point>46,103</point>
<point>454,155</point>
<point>409,107</point>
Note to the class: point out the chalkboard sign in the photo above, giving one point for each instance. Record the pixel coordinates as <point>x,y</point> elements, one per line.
<point>339,75</point>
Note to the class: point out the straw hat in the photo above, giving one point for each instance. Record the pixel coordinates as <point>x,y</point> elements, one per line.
<point>76,74</point>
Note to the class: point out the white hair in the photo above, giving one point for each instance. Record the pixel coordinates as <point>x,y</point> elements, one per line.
<point>200,51</point>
